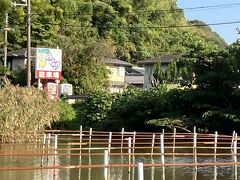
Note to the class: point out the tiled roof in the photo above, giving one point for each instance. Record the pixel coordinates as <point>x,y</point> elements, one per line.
<point>116,62</point>
<point>21,52</point>
<point>165,59</point>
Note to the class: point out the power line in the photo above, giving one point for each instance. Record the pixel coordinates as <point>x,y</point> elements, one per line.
<point>212,7</point>
<point>198,8</point>
<point>150,27</point>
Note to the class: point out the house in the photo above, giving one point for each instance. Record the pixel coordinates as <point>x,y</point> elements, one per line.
<point>149,64</point>
<point>18,59</point>
<point>117,73</point>
<point>134,76</point>
<point>122,73</point>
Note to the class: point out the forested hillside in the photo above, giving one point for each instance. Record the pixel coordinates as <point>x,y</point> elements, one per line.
<point>86,30</point>
<point>206,33</point>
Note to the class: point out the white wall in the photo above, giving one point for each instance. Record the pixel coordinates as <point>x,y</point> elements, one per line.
<point>148,74</point>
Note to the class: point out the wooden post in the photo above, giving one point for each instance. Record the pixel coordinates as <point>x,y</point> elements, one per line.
<point>163,173</point>
<point>152,170</point>
<point>43,147</point>
<point>235,148</point>
<point>195,147</point>
<point>80,139</point>
<point>129,149</point>
<point>56,142</point>
<point>153,142</point>
<point>55,153</point>
<point>140,171</point>
<point>162,147</point>
<point>194,174</point>
<point>174,139</point>
<point>89,169</point>
<point>233,137</point>
<point>49,139</point>
<point>90,140</point>
<point>109,142</point>
<point>106,163</point>
<point>134,140</point>
<point>80,151</point>
<point>215,173</point>
<point>162,152</point>
<point>48,145</point>
<point>215,145</point>
<point>235,172</point>
<point>194,129</point>
<point>122,140</point>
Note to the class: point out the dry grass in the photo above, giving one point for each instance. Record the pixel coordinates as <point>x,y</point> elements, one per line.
<point>25,109</point>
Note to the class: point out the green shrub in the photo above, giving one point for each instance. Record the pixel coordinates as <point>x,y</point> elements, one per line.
<point>25,109</point>
<point>67,116</point>
<point>93,112</point>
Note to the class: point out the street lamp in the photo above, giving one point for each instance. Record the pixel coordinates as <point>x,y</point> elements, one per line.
<point>27,3</point>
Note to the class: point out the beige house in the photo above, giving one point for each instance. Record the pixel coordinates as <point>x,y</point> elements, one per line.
<point>149,63</point>
<point>117,73</point>
<point>121,74</point>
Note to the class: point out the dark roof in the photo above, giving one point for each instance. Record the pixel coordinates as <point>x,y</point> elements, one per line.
<point>134,72</point>
<point>116,62</point>
<point>21,53</point>
<point>165,59</point>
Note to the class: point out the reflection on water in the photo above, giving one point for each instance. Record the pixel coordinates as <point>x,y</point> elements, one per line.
<point>116,173</point>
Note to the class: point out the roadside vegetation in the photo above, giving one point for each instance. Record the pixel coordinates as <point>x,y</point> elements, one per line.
<point>23,110</point>
<point>209,99</point>
<point>207,75</point>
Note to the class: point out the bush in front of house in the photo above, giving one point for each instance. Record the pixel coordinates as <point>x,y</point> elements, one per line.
<point>25,109</point>
<point>68,116</point>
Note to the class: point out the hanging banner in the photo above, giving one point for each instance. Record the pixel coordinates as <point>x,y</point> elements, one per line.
<point>48,63</point>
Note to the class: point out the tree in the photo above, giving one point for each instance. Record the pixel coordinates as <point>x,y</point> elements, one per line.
<point>157,74</point>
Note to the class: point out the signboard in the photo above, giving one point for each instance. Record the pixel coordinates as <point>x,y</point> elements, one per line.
<point>52,90</point>
<point>65,89</point>
<point>48,63</point>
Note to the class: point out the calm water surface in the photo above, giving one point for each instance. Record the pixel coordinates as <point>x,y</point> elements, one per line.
<point>150,173</point>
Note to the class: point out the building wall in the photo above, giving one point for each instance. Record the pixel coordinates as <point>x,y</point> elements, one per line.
<point>148,74</point>
<point>117,73</point>
<point>116,76</point>
<point>18,63</point>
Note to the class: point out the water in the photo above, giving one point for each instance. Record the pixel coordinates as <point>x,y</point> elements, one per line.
<point>119,173</point>
<point>29,156</point>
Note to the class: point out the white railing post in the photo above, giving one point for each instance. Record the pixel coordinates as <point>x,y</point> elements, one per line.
<point>153,142</point>
<point>140,171</point>
<point>122,140</point>
<point>162,147</point>
<point>109,142</point>
<point>106,163</point>
<point>90,141</point>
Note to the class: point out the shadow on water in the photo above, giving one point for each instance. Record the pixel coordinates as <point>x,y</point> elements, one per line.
<point>229,172</point>
<point>116,173</point>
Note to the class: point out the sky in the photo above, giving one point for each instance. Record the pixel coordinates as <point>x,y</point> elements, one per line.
<point>215,15</point>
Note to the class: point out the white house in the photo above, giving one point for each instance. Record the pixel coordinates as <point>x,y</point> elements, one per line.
<point>149,63</point>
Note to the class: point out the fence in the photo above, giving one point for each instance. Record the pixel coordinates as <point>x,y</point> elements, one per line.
<point>126,144</point>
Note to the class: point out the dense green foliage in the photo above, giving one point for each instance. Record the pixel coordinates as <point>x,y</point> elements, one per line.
<point>206,33</point>
<point>19,113</point>
<point>89,30</point>
<point>132,30</point>
<point>210,103</point>
<point>67,116</point>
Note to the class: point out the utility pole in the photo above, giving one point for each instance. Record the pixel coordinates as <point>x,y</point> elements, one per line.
<point>6,40</point>
<point>28,43</point>
<point>27,3</point>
